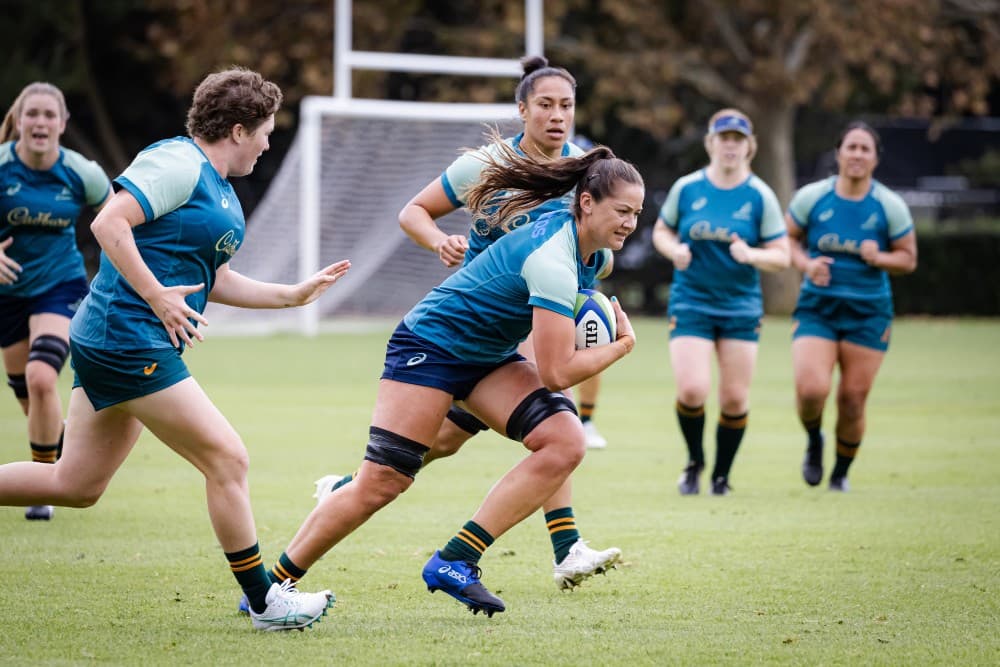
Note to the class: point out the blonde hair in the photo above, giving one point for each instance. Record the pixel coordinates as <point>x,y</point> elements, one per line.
<point>752,139</point>
<point>8,130</point>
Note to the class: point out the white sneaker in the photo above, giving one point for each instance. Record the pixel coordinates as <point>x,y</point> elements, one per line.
<point>289,609</point>
<point>39,512</point>
<point>324,486</point>
<point>582,562</point>
<point>593,437</point>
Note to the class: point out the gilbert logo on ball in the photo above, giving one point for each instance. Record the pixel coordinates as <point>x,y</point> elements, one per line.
<point>595,319</point>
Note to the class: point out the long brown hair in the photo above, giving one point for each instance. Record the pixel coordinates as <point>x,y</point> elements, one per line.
<point>8,129</point>
<point>513,182</point>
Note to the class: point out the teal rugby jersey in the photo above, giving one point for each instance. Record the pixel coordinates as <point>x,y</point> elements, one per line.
<point>835,227</point>
<point>705,217</point>
<point>481,312</point>
<point>194,224</point>
<point>39,208</point>
<point>464,172</point>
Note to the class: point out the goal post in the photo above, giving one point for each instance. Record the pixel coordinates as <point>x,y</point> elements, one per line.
<point>353,165</point>
<point>314,109</point>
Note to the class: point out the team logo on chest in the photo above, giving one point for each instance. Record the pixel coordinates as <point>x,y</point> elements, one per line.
<point>825,215</point>
<point>227,243</point>
<point>699,203</point>
<point>12,190</point>
<point>871,222</point>
<point>65,195</point>
<point>743,212</point>
<point>225,202</point>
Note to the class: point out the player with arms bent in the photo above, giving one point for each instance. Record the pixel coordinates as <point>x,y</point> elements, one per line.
<point>850,232</point>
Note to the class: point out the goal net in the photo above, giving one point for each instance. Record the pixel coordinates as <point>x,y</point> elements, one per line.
<point>351,168</point>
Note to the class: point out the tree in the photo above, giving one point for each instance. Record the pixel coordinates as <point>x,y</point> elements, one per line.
<point>772,57</point>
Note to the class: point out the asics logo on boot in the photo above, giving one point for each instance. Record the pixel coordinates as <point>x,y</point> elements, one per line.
<point>454,574</point>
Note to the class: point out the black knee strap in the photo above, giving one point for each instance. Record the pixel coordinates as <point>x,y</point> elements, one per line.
<point>52,350</point>
<point>466,421</point>
<point>19,384</point>
<point>538,406</point>
<point>386,448</point>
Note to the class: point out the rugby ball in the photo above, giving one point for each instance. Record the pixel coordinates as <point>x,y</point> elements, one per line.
<point>595,319</point>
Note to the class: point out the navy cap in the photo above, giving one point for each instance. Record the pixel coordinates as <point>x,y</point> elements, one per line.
<point>731,124</point>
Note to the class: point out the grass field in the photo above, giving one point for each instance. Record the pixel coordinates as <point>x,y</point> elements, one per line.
<point>903,570</point>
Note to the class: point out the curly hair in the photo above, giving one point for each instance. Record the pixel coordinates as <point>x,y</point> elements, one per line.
<point>236,96</point>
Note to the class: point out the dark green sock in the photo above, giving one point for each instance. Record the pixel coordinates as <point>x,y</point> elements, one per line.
<point>44,453</point>
<point>248,568</point>
<point>692,421</point>
<point>728,435</point>
<point>813,429</point>
<point>562,531</point>
<point>346,479</point>
<point>468,544</point>
<point>846,451</point>
<point>284,568</point>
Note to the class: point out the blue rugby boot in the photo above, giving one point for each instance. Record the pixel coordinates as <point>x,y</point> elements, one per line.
<point>244,606</point>
<point>460,580</point>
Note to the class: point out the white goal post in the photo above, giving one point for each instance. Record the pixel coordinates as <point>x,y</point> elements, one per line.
<point>353,165</point>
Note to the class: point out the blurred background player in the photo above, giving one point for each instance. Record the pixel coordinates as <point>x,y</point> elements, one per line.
<point>166,239</point>
<point>850,232</point>
<point>460,343</point>
<point>719,226</point>
<point>43,189</point>
<point>546,100</point>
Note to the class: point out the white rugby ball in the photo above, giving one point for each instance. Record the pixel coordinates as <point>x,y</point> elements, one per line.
<point>595,319</point>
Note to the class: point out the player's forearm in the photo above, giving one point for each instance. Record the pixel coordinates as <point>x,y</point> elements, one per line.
<point>235,289</point>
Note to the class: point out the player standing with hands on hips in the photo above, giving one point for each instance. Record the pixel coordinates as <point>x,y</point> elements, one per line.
<point>719,226</point>
<point>43,188</point>
<point>460,344</point>
<point>850,232</point>
<point>167,237</point>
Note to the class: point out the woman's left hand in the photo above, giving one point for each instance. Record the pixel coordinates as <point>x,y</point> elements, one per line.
<point>739,249</point>
<point>869,252</point>
<point>309,290</point>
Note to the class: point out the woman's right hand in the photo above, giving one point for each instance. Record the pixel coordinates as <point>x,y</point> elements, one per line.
<point>682,256</point>
<point>452,250</point>
<point>818,270</point>
<point>174,312</point>
<point>8,267</point>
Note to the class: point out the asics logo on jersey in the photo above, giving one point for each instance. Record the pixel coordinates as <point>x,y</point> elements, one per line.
<point>702,231</point>
<point>416,359</point>
<point>65,195</point>
<point>148,370</point>
<point>225,202</point>
<point>454,574</point>
<point>871,222</point>
<point>743,212</point>
<point>13,189</point>
<point>825,215</point>
<point>227,243</point>
<point>699,203</point>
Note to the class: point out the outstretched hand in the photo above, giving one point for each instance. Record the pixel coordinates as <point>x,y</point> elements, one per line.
<point>176,315</point>
<point>310,289</point>
<point>8,267</point>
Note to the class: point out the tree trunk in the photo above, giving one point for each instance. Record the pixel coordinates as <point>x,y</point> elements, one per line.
<point>775,164</point>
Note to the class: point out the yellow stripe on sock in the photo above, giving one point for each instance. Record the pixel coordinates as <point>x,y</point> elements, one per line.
<point>471,540</point>
<point>246,564</point>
